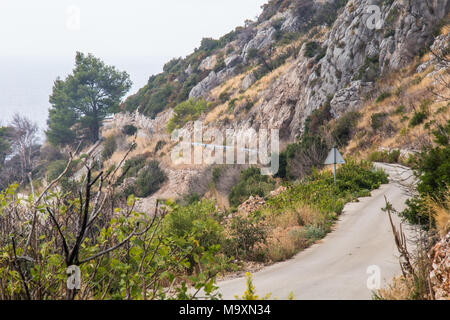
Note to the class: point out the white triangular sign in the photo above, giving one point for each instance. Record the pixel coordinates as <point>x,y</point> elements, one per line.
<point>334,157</point>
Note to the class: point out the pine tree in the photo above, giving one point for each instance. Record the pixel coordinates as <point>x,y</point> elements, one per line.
<point>83,100</point>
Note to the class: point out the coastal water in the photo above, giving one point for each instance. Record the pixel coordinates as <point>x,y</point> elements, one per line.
<point>26,82</point>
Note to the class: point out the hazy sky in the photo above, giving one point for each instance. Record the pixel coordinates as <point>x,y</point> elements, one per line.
<point>39,38</point>
<point>109,28</point>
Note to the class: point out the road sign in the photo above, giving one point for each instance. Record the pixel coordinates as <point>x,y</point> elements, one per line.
<point>334,157</point>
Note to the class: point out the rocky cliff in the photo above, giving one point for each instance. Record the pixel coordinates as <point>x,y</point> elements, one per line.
<point>298,56</point>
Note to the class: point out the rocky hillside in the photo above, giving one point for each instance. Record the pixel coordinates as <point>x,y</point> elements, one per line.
<point>299,57</point>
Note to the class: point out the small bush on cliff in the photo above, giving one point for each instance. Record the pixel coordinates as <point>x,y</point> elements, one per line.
<point>131,167</point>
<point>150,179</point>
<point>251,183</point>
<point>186,111</point>
<point>432,167</point>
<point>109,147</point>
<point>385,156</point>
<point>345,125</point>
<point>377,120</point>
<point>129,130</point>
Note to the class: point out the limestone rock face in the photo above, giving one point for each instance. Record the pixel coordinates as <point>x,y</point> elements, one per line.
<point>233,60</point>
<point>208,63</point>
<point>352,55</point>
<point>291,22</point>
<point>262,40</point>
<point>355,55</point>
<point>248,81</point>
<point>350,98</point>
<point>214,79</point>
<point>439,46</point>
<point>440,274</point>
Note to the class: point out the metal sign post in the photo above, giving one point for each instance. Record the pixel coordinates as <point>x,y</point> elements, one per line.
<point>334,157</point>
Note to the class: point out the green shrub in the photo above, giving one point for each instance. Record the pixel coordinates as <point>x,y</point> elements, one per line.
<point>192,198</point>
<point>224,96</point>
<point>232,104</point>
<point>57,167</point>
<point>400,110</point>
<point>318,191</point>
<point>150,179</point>
<point>432,167</point>
<point>383,96</point>
<point>311,49</point>
<point>343,131</point>
<point>220,64</point>
<point>129,130</point>
<point>313,233</point>
<point>216,174</point>
<point>252,53</point>
<point>299,159</point>
<point>157,101</point>
<point>369,70</point>
<point>418,118</point>
<point>318,118</point>
<point>197,220</point>
<point>245,234</point>
<point>159,145</point>
<point>385,156</point>
<point>132,166</point>
<point>109,147</point>
<point>377,120</point>
<point>251,183</point>
<point>186,111</point>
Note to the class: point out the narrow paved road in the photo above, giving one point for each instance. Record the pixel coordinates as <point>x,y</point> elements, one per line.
<point>337,266</point>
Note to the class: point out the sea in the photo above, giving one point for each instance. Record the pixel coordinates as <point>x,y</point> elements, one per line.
<point>26,82</point>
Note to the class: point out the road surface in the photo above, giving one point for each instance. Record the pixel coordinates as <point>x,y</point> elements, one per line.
<point>347,259</point>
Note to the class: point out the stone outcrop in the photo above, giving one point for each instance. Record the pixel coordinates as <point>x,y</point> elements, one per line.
<point>248,81</point>
<point>278,191</point>
<point>251,205</point>
<point>262,40</point>
<point>439,48</point>
<point>350,98</point>
<point>354,52</point>
<point>352,55</point>
<point>440,274</point>
<point>208,63</point>
<point>233,60</point>
<point>214,79</point>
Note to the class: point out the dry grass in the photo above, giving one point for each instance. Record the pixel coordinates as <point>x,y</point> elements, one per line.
<point>409,90</point>
<point>287,235</point>
<point>283,244</point>
<point>440,212</point>
<point>299,216</point>
<point>144,145</point>
<point>268,79</point>
<point>400,288</point>
<point>216,113</point>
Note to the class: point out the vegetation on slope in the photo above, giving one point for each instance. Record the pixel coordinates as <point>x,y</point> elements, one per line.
<point>172,86</point>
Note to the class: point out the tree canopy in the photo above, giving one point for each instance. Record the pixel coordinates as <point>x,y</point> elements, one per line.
<point>5,145</point>
<point>81,102</point>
